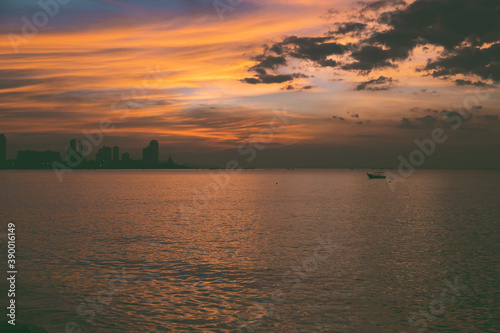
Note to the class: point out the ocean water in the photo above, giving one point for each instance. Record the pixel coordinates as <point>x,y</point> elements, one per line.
<point>264,251</point>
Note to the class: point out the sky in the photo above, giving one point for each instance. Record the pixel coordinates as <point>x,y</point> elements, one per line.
<point>269,83</point>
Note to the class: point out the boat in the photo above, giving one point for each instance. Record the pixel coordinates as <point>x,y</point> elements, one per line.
<point>376,175</point>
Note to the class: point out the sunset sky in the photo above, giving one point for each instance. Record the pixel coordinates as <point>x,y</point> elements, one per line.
<point>356,81</point>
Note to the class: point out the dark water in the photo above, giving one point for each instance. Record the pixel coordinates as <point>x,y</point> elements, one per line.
<point>277,251</point>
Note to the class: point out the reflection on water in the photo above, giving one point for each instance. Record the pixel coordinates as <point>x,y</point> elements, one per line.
<point>251,257</point>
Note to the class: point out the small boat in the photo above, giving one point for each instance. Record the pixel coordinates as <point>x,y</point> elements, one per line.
<point>376,175</point>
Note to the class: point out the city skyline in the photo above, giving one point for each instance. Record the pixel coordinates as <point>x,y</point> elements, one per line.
<point>79,158</point>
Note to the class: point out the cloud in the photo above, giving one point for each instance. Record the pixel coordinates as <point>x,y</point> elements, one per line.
<point>468,31</point>
<point>268,79</point>
<point>426,91</point>
<point>269,61</point>
<point>369,85</point>
<point>464,28</point>
<point>314,49</point>
<point>427,121</point>
<point>339,118</point>
<point>454,114</point>
<point>380,4</point>
<point>290,88</point>
<point>348,27</point>
<point>431,110</point>
<point>461,82</point>
<point>368,58</point>
<point>408,124</point>
<point>446,23</point>
<point>468,61</point>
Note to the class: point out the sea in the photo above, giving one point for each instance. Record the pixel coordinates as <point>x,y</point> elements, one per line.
<point>252,251</point>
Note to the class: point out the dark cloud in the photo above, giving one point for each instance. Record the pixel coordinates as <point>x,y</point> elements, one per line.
<point>339,118</point>
<point>348,27</point>
<point>462,27</point>
<point>380,4</point>
<point>269,61</point>
<point>469,61</point>
<point>469,32</point>
<point>408,124</point>
<point>314,49</point>
<point>431,110</point>
<point>451,115</point>
<point>368,58</point>
<point>417,109</point>
<point>290,87</point>
<point>461,82</point>
<point>269,79</point>
<point>426,92</point>
<point>369,85</point>
<point>427,121</point>
<point>446,23</point>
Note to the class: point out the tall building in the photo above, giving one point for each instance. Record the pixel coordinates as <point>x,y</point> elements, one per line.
<point>103,154</point>
<point>150,155</point>
<point>80,148</point>
<point>3,150</point>
<point>116,154</point>
<point>125,157</point>
<point>71,148</point>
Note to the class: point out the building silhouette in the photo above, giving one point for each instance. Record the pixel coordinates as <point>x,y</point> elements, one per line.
<point>104,154</point>
<point>116,154</point>
<point>71,149</point>
<point>29,159</point>
<point>125,157</point>
<point>80,148</point>
<point>150,155</point>
<point>170,161</point>
<point>3,151</point>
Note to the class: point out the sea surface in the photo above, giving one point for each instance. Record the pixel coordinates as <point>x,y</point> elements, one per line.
<point>260,251</point>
